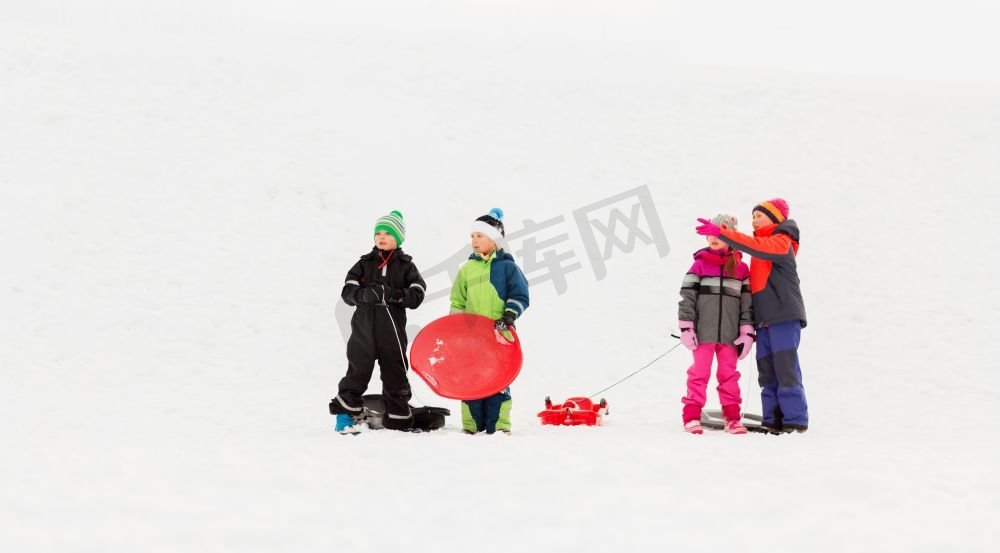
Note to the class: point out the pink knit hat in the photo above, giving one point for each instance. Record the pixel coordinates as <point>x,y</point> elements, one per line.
<point>776,209</point>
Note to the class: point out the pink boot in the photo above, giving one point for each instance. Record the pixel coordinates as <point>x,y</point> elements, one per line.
<point>735,427</point>
<point>731,413</point>
<point>694,427</point>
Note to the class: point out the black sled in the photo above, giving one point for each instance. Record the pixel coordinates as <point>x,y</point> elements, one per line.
<point>425,418</point>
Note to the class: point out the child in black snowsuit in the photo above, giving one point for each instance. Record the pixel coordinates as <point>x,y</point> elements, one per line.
<point>381,285</point>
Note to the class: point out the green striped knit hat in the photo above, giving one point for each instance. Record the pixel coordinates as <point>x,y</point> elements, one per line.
<point>393,224</point>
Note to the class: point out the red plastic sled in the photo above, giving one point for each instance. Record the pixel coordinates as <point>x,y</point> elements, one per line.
<point>462,356</point>
<point>574,411</point>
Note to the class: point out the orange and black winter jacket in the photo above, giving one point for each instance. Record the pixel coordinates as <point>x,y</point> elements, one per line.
<point>774,278</point>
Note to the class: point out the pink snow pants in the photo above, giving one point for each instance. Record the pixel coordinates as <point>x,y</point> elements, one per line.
<point>701,370</point>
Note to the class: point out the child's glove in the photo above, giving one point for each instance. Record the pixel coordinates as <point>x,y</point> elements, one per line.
<point>506,322</point>
<point>394,295</point>
<point>745,341</point>
<point>708,228</point>
<point>688,336</point>
<point>372,294</point>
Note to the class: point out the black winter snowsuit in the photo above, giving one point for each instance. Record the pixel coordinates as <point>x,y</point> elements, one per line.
<point>381,287</point>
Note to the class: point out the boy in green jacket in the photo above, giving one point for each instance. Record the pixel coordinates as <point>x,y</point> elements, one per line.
<point>492,285</point>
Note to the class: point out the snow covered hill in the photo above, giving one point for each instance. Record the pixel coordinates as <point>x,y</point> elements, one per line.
<point>185,185</point>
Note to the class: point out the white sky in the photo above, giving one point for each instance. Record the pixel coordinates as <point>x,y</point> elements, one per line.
<point>919,39</point>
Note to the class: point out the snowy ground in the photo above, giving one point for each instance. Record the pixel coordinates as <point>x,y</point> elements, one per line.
<point>184,187</point>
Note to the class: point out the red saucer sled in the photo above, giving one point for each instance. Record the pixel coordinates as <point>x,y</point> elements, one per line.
<point>574,411</point>
<point>462,356</point>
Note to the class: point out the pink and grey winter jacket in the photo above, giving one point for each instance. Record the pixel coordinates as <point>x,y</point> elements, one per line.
<point>716,302</point>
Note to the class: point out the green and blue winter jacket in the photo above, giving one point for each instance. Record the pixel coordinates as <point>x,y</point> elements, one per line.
<point>490,287</point>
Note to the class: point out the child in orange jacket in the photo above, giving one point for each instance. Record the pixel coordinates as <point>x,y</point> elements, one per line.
<point>778,310</point>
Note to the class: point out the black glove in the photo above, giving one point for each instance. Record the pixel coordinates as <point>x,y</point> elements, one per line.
<point>394,295</point>
<point>373,294</point>
<point>506,322</point>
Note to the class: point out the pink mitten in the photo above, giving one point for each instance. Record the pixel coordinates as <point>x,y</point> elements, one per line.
<point>688,336</point>
<point>745,341</point>
<point>707,228</point>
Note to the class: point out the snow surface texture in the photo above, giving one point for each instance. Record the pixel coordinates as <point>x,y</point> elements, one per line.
<point>184,187</point>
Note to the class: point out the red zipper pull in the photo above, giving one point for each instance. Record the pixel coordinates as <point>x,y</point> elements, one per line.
<point>385,260</point>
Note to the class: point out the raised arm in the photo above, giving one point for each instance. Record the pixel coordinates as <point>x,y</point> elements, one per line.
<point>769,248</point>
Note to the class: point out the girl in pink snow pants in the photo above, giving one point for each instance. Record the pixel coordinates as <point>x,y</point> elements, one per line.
<point>716,321</point>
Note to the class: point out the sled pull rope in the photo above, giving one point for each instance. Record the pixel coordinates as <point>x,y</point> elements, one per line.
<point>664,354</point>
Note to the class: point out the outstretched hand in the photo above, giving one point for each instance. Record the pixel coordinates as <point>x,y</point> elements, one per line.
<point>707,228</point>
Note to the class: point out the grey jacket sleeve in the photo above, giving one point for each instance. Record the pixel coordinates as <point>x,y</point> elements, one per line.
<point>688,307</point>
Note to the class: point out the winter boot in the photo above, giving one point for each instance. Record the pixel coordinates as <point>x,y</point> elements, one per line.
<point>731,414</point>
<point>775,426</point>
<point>346,424</point>
<point>734,426</point>
<point>693,427</point>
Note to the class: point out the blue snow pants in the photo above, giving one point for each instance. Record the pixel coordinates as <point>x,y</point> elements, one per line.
<point>782,395</point>
<point>489,414</point>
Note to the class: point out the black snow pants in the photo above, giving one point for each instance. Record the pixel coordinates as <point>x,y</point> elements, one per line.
<point>378,333</point>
